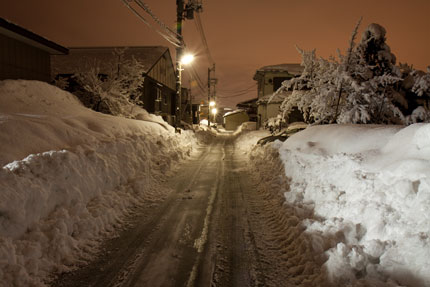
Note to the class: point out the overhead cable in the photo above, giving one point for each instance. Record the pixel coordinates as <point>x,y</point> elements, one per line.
<point>201,31</point>
<point>233,96</point>
<point>238,91</point>
<point>171,39</point>
<point>194,75</point>
<point>148,10</point>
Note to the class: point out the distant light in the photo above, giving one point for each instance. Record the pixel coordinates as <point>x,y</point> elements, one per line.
<point>212,103</point>
<point>186,59</point>
<point>214,111</point>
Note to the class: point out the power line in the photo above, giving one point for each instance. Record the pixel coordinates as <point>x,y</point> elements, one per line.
<point>156,19</point>
<point>201,31</point>
<point>171,39</point>
<point>238,91</point>
<point>171,36</point>
<point>233,96</point>
<point>193,73</point>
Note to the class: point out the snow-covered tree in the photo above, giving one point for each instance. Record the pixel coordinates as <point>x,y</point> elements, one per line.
<point>362,86</point>
<point>313,92</point>
<point>421,83</point>
<point>119,89</point>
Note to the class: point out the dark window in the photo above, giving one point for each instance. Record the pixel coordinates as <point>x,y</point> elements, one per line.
<point>277,82</point>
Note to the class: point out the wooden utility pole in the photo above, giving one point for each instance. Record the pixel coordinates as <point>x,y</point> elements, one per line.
<point>209,97</point>
<point>179,16</point>
<point>211,92</point>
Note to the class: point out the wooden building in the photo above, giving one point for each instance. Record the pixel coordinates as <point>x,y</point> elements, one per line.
<point>24,54</point>
<point>158,93</point>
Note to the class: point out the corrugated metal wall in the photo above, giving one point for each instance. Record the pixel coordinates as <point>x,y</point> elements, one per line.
<point>21,61</point>
<point>164,72</point>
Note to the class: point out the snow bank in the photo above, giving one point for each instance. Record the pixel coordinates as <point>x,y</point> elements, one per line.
<point>369,189</point>
<point>69,176</point>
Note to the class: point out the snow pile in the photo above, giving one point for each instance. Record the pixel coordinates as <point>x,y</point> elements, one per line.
<point>369,190</point>
<point>69,176</point>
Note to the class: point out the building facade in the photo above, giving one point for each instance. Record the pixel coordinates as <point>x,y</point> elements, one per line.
<point>269,80</point>
<point>232,120</point>
<point>24,54</point>
<point>158,93</point>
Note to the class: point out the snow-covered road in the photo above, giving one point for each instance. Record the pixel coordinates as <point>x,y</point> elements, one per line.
<point>344,202</point>
<point>214,228</point>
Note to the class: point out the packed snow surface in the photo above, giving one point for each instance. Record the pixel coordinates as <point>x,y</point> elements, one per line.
<point>368,190</point>
<point>69,175</point>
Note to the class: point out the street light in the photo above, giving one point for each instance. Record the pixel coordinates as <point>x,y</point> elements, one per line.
<point>187,59</point>
<point>212,103</point>
<point>214,111</point>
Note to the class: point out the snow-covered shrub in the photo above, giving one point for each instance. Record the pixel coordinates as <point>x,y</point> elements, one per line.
<point>363,86</point>
<point>422,83</point>
<point>117,91</point>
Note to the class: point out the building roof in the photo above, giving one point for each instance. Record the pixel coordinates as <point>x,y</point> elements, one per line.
<point>18,33</point>
<point>81,57</point>
<point>234,112</point>
<point>275,98</point>
<point>248,102</point>
<point>292,69</point>
<point>248,105</point>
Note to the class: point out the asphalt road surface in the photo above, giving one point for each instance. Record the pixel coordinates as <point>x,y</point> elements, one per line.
<point>218,227</point>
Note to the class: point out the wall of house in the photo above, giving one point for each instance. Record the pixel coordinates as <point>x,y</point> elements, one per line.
<point>268,84</point>
<point>163,72</point>
<point>21,61</point>
<point>267,111</point>
<point>233,121</point>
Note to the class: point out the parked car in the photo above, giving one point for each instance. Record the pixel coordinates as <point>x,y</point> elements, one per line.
<point>283,135</point>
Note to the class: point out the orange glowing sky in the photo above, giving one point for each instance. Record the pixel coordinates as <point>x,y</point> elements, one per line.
<point>242,35</point>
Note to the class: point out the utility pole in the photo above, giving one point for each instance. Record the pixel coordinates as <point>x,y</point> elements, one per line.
<point>211,92</point>
<point>209,97</point>
<point>182,14</point>
<point>179,16</point>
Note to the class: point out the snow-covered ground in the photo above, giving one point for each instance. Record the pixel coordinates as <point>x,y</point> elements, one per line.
<point>363,193</point>
<point>69,176</point>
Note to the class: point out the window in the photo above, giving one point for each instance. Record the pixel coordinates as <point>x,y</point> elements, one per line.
<point>277,82</point>
<point>164,99</point>
<point>158,99</point>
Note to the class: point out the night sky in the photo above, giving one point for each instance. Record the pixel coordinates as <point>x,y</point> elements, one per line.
<point>242,35</point>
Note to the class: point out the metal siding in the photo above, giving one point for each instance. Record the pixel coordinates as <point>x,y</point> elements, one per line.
<point>163,73</point>
<point>21,61</point>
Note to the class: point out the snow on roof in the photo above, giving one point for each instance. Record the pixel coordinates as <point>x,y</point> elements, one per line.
<point>275,98</point>
<point>294,69</point>
<point>79,58</point>
<point>18,33</point>
<point>234,112</point>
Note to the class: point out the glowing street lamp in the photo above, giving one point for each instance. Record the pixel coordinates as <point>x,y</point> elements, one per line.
<point>212,104</point>
<point>187,59</point>
<point>214,111</point>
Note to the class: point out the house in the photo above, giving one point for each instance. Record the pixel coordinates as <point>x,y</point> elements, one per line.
<point>269,79</point>
<point>159,88</point>
<point>250,106</point>
<point>232,120</point>
<point>24,54</point>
